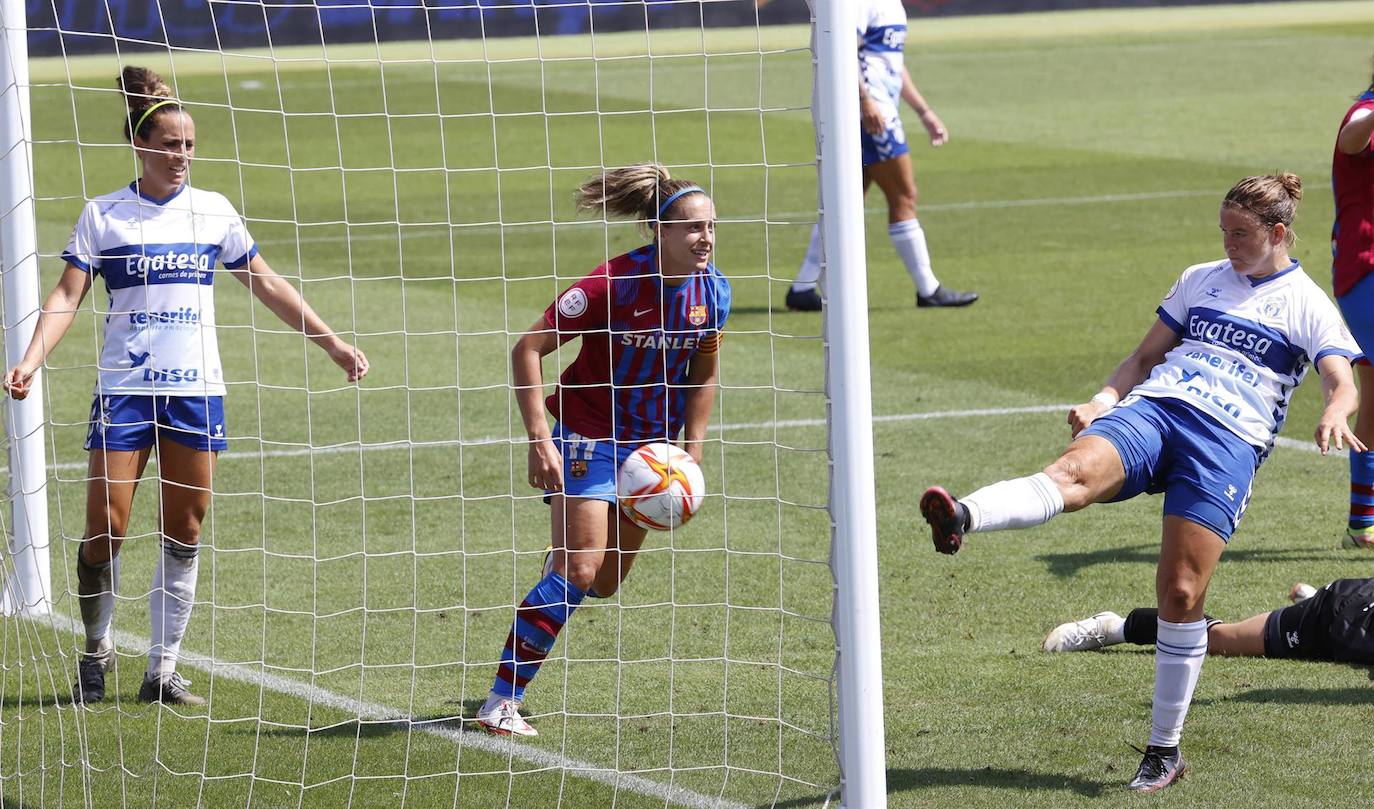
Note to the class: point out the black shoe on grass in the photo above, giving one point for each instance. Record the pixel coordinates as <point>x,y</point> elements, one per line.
<point>1160,767</point>
<point>90,680</point>
<point>169,689</point>
<point>943,296</point>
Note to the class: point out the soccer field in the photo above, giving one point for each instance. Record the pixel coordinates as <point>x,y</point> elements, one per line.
<point>365,549</point>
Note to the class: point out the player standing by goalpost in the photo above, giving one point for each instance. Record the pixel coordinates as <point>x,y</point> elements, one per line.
<point>650,322</point>
<point>884,83</point>
<point>160,383</point>
<point>1205,395</point>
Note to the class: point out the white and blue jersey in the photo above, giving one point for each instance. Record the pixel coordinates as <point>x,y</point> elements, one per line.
<point>882,38</point>
<point>158,260</point>
<point>1246,344</point>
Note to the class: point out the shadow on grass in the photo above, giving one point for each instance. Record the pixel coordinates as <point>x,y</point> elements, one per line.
<point>1306,696</point>
<point>1065,565</point>
<point>379,728</point>
<point>907,780</point>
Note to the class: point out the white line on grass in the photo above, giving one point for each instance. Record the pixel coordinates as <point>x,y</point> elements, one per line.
<point>72,466</point>
<point>449,731</point>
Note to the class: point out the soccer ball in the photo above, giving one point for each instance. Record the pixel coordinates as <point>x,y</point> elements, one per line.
<point>660,487</point>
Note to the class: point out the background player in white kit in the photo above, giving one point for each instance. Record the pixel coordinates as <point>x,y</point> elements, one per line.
<point>883,84</point>
<point>1208,389</point>
<point>160,384</point>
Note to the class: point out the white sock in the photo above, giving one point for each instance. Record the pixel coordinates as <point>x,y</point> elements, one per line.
<point>1019,503</point>
<point>1179,652</point>
<point>170,602</point>
<point>810,270</point>
<point>910,242</point>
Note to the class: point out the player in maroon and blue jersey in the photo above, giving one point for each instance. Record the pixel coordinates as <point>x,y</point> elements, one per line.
<point>1352,267</point>
<point>651,323</point>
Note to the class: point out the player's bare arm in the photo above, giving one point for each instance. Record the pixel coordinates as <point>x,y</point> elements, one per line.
<point>701,395</point>
<point>1133,370</point>
<point>286,302</point>
<point>545,462</point>
<point>1342,400</point>
<point>59,310</point>
<point>935,128</point>
<point>1356,134</point>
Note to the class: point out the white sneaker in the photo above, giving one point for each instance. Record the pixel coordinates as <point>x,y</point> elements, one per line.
<point>501,715</point>
<point>1089,633</point>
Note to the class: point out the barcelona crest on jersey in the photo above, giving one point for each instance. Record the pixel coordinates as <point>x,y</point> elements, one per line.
<point>696,315</point>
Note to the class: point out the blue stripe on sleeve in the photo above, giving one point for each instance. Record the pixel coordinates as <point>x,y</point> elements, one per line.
<point>1169,321</point>
<point>76,262</point>
<point>1336,352</point>
<point>247,257</point>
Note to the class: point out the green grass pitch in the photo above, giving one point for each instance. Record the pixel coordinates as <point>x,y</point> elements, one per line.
<point>354,599</point>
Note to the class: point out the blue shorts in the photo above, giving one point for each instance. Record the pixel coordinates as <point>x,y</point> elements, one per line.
<point>1357,306</point>
<point>127,422</point>
<point>891,143</point>
<point>1204,469</point>
<point>590,464</point>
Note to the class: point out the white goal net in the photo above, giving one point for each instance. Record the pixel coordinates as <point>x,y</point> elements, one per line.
<point>409,167</point>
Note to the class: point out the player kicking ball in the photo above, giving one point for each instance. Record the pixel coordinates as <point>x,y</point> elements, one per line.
<point>1192,413</point>
<point>1334,624</point>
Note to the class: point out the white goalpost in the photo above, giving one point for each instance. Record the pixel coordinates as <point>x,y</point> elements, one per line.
<point>28,580</point>
<point>409,167</point>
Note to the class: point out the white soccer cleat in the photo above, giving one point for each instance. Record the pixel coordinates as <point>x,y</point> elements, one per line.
<point>501,715</point>
<point>1087,634</point>
<point>1300,592</point>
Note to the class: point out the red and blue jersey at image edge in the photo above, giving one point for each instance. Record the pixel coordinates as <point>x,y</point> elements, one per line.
<point>639,335</point>
<point>1352,185</point>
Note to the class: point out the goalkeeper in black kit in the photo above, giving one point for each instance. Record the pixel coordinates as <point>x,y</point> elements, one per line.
<point>1336,623</point>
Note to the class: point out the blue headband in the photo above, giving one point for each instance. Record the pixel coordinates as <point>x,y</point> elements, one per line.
<point>691,189</point>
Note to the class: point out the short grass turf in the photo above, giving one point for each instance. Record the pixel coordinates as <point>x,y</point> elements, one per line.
<point>365,547</point>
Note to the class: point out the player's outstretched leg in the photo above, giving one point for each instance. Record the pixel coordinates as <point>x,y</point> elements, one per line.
<point>1102,630</point>
<point>1159,767</point>
<point>948,519</point>
<point>1008,504</point>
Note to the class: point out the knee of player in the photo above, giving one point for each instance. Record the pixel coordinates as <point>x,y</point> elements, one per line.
<point>1180,597</point>
<point>1073,481</point>
<point>581,571</point>
<point>182,532</point>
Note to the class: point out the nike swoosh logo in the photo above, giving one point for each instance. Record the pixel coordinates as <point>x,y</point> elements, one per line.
<point>641,313</point>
